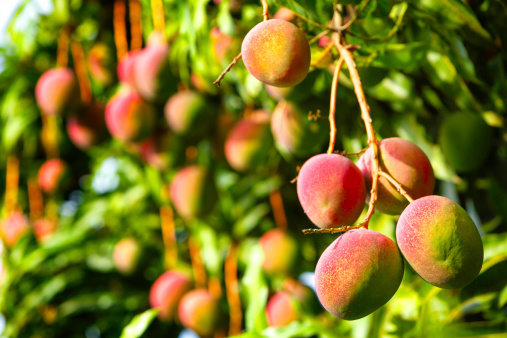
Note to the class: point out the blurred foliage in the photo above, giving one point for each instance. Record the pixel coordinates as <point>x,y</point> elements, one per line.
<point>419,62</point>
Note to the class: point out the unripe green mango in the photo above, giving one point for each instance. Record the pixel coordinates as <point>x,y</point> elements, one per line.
<point>465,140</point>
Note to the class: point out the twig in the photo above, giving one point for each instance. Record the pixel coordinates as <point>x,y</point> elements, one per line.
<point>136,34</point>
<point>81,71</point>
<point>62,54</point>
<point>35,200</point>
<point>168,236</point>
<point>345,153</point>
<point>232,291</point>
<point>236,59</point>
<point>397,185</point>
<point>275,198</point>
<point>157,12</point>
<point>332,105</point>
<point>333,230</point>
<point>197,264</point>
<point>11,184</point>
<point>120,31</point>
<point>265,10</point>
<point>318,36</point>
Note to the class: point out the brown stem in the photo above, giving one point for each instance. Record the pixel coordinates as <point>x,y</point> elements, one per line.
<point>397,185</point>
<point>11,184</point>
<point>333,230</point>
<point>236,59</point>
<point>35,200</point>
<point>136,29</point>
<point>168,236</point>
<point>332,105</point>
<point>157,11</point>
<point>345,153</point>
<point>370,131</point>
<point>232,291</point>
<point>81,72</point>
<point>265,10</point>
<point>275,198</point>
<point>49,136</point>
<point>197,263</point>
<point>214,287</point>
<point>120,31</point>
<point>318,36</point>
<point>62,54</point>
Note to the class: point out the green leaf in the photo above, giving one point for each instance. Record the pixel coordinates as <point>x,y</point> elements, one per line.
<point>139,324</point>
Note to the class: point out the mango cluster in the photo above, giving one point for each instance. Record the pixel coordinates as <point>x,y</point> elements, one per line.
<point>362,269</point>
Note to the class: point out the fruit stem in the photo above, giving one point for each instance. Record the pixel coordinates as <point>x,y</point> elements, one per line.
<point>157,12</point>
<point>265,10</point>
<point>275,198</point>
<point>318,36</point>
<point>397,185</point>
<point>197,264</point>
<point>50,135</point>
<point>120,31</point>
<point>345,153</point>
<point>370,131</point>
<point>332,105</point>
<point>81,72</point>
<point>35,200</point>
<point>236,59</point>
<point>62,54</point>
<point>136,38</point>
<point>168,236</point>
<point>232,291</point>
<point>11,184</point>
<point>344,228</point>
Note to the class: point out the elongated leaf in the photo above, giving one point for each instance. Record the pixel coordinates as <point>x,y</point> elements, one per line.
<point>139,324</point>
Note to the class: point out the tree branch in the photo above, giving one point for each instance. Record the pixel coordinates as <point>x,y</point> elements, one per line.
<point>236,59</point>
<point>332,105</point>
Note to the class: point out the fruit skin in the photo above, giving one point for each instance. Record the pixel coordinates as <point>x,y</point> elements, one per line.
<point>57,91</point>
<point>128,117</point>
<point>126,255</point>
<point>126,68</point>
<point>280,310</point>
<point>358,273</point>
<point>277,53</point>
<point>465,140</point>
<point>44,228</point>
<point>407,164</point>
<point>13,227</point>
<point>200,312</point>
<point>189,113</point>
<point>193,192</point>
<point>248,143</point>
<point>87,128</point>
<point>440,242</point>
<point>294,134</point>
<point>152,75</point>
<point>280,252</point>
<point>331,190</point>
<point>167,291</point>
<point>53,175</point>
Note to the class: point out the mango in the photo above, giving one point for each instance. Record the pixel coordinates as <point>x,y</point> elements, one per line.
<point>87,128</point>
<point>13,227</point>
<point>53,175</point>
<point>190,113</point>
<point>440,242</point>
<point>277,53</point>
<point>57,92</point>
<point>200,312</point>
<point>167,291</point>
<point>193,192</point>
<point>358,273</point>
<point>100,64</point>
<point>407,164</point>
<point>294,134</point>
<point>44,228</point>
<point>129,118</point>
<point>126,68</point>
<point>280,252</point>
<point>331,190</point>
<point>280,310</point>
<point>248,143</point>
<point>126,255</point>
<point>465,140</point>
